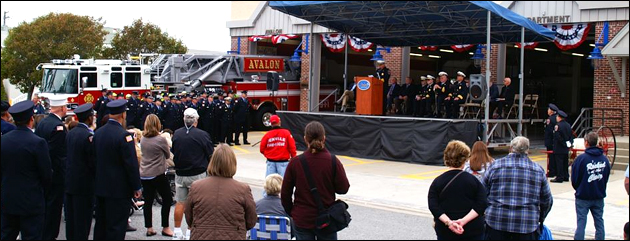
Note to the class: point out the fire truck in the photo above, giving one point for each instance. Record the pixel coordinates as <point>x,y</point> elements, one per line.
<point>81,80</point>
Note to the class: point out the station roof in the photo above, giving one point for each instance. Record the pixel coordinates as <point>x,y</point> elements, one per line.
<point>417,23</point>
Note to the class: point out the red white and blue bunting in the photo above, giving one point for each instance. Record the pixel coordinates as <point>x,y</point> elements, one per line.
<point>462,48</point>
<point>528,45</point>
<point>428,48</point>
<point>257,38</point>
<point>569,36</point>
<point>335,42</point>
<point>359,45</point>
<point>283,37</point>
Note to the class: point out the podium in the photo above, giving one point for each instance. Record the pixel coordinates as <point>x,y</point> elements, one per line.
<point>369,95</point>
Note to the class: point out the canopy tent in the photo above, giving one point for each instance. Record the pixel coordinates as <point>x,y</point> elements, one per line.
<point>418,23</point>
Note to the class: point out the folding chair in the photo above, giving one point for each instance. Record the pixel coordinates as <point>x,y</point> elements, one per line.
<point>514,107</point>
<point>531,101</point>
<point>271,228</point>
<point>469,108</point>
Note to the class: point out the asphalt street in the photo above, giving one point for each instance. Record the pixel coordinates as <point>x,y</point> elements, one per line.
<point>368,223</point>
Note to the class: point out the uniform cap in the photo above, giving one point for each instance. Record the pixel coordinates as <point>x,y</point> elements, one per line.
<point>442,73</point>
<point>244,92</point>
<point>380,61</point>
<point>430,76</point>
<point>228,98</point>
<point>191,112</point>
<point>57,100</point>
<point>423,77</point>
<point>22,111</point>
<point>562,114</point>
<point>84,111</point>
<point>135,92</point>
<point>461,74</point>
<point>553,107</point>
<point>5,106</point>
<point>117,106</point>
<point>128,96</point>
<point>104,90</point>
<point>114,94</point>
<point>274,119</point>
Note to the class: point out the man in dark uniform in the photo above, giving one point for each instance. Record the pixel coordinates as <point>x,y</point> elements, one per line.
<point>6,118</point>
<point>419,95</point>
<point>53,130</point>
<point>25,176</point>
<point>117,176</point>
<point>180,114</point>
<point>101,107</point>
<point>159,110</point>
<point>562,142</point>
<point>441,89</point>
<point>80,175</point>
<point>550,125</point>
<point>132,109</point>
<point>241,117</point>
<point>428,98</point>
<point>458,96</point>
<point>146,108</point>
<point>227,122</point>
<point>218,116</point>
<point>171,115</point>
<point>205,114</point>
<point>382,73</point>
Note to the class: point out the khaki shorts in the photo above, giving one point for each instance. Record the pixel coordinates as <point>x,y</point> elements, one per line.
<point>182,185</point>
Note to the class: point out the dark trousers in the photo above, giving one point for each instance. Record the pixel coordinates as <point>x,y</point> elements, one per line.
<point>79,211</point>
<point>441,104</point>
<point>207,126</point>
<point>227,131</point>
<point>160,185</point>
<point>493,106</point>
<point>311,234</point>
<point>216,131</point>
<point>29,227</point>
<point>52,218</point>
<point>454,113</point>
<point>492,234</point>
<point>562,165</point>
<point>551,168</point>
<point>244,128</point>
<point>111,218</point>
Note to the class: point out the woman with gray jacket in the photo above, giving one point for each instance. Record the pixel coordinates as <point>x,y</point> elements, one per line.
<point>155,153</point>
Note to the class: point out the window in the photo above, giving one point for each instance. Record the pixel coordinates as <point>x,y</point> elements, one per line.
<point>132,68</point>
<point>116,80</point>
<point>91,80</point>
<point>132,79</point>
<point>60,81</point>
<point>116,69</point>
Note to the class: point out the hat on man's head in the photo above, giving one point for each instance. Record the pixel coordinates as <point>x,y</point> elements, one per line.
<point>104,90</point>
<point>442,73</point>
<point>135,92</point>
<point>57,100</point>
<point>84,111</point>
<point>127,96</point>
<point>117,106</point>
<point>274,119</point>
<point>423,77</point>
<point>553,107</point>
<point>461,74</point>
<point>5,106</point>
<point>380,62</point>
<point>430,76</point>
<point>244,92</point>
<point>562,114</point>
<point>22,111</point>
<point>109,93</point>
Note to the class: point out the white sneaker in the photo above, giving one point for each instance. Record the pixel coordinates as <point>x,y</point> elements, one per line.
<point>187,237</point>
<point>178,235</point>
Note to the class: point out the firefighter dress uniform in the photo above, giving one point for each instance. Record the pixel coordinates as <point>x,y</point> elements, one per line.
<point>241,118</point>
<point>26,173</point>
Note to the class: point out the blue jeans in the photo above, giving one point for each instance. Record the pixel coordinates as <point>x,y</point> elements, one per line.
<point>275,167</point>
<point>597,209</point>
<point>311,234</point>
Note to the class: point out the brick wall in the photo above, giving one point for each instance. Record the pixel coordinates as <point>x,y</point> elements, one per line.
<point>605,85</point>
<point>306,65</point>
<point>393,61</point>
<point>494,55</point>
<point>244,45</point>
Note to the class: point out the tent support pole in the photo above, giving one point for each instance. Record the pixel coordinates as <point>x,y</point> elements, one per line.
<point>521,84</point>
<point>487,109</point>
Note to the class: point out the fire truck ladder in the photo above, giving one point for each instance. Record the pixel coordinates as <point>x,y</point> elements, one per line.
<point>195,69</point>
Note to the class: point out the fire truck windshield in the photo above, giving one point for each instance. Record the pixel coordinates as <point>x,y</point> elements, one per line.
<point>60,81</point>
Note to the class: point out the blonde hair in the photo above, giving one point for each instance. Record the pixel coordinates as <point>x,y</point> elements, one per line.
<point>152,126</point>
<point>456,154</point>
<point>273,184</point>
<point>223,162</point>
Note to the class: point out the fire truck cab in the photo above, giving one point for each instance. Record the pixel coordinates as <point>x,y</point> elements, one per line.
<point>81,80</point>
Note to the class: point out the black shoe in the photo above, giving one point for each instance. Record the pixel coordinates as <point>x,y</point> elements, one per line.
<point>230,144</point>
<point>566,179</point>
<point>246,143</point>
<point>556,180</point>
<point>238,144</point>
<point>130,229</point>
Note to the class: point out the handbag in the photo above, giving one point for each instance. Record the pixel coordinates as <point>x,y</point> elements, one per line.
<point>336,217</point>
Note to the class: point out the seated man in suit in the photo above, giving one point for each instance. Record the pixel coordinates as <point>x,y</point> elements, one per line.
<point>506,98</point>
<point>406,96</point>
<point>392,94</point>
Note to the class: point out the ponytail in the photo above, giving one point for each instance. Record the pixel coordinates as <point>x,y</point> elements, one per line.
<point>315,134</point>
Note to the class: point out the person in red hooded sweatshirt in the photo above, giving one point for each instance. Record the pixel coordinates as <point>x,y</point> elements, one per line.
<point>278,146</point>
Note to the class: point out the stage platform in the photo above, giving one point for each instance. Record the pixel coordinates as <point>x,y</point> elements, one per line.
<point>393,138</point>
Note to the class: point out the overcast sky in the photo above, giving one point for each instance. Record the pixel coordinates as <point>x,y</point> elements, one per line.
<point>200,25</point>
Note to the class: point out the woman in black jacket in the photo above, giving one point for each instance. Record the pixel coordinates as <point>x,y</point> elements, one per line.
<point>457,199</point>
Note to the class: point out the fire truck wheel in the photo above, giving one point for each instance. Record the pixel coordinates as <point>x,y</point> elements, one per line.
<point>262,118</point>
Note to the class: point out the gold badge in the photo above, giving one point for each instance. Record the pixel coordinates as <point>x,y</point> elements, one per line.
<point>89,98</point>
<point>129,138</point>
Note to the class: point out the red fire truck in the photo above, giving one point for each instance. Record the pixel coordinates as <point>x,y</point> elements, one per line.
<point>81,80</point>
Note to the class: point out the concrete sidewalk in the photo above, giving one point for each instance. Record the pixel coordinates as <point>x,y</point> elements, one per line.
<point>403,187</point>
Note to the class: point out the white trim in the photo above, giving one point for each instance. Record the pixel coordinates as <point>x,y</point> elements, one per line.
<point>613,48</point>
